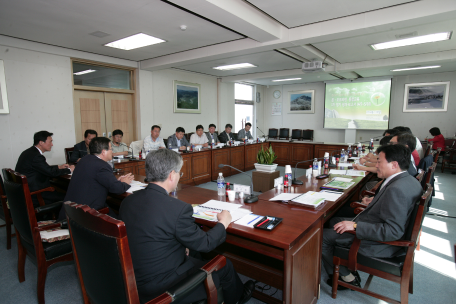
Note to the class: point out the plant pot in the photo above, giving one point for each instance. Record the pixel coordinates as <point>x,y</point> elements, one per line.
<point>265,168</point>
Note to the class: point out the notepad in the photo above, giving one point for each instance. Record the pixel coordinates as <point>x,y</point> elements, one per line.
<point>339,184</point>
<point>209,210</point>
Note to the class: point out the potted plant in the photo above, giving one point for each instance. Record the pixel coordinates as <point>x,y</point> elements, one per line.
<point>265,160</point>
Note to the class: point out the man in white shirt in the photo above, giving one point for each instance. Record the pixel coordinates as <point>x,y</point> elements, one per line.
<point>211,135</point>
<point>154,141</point>
<point>199,138</point>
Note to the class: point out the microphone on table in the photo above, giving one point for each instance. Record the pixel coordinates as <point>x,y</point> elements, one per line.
<point>297,181</point>
<point>129,148</point>
<point>261,132</point>
<point>251,198</point>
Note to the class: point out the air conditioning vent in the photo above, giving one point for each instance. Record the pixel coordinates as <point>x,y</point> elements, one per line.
<point>313,66</point>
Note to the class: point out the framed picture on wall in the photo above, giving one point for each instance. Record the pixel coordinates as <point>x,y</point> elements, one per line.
<point>426,97</point>
<point>187,97</point>
<point>301,102</point>
<point>4,109</point>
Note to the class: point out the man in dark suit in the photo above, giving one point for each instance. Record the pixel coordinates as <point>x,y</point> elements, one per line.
<point>32,164</point>
<point>92,179</point>
<point>178,140</point>
<point>384,219</point>
<point>160,228</point>
<point>211,135</point>
<point>82,149</point>
<point>226,135</point>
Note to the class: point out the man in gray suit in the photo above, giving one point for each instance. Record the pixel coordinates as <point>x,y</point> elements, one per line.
<point>384,219</point>
<point>211,135</point>
<point>178,140</point>
<point>243,133</point>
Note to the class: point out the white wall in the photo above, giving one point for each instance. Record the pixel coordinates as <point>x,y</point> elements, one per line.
<point>226,109</point>
<point>157,102</point>
<point>420,123</point>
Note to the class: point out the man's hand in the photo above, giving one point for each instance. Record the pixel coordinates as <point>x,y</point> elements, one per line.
<point>126,178</point>
<point>182,148</point>
<point>64,166</point>
<point>341,227</point>
<point>224,217</point>
<point>367,200</point>
<point>187,251</point>
<point>359,167</point>
<point>206,145</point>
<point>71,168</point>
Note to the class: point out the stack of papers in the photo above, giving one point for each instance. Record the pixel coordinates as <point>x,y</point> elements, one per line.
<point>348,172</point>
<point>310,198</point>
<point>209,210</point>
<point>135,186</point>
<point>338,184</point>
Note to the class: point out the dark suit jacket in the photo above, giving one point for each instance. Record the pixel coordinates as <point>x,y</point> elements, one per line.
<point>387,216</point>
<point>80,150</point>
<point>173,141</point>
<point>223,137</point>
<point>159,228</point>
<point>33,164</point>
<point>90,183</point>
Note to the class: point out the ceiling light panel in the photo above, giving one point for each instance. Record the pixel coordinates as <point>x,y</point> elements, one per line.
<point>134,42</point>
<point>417,68</point>
<point>289,79</point>
<point>84,72</point>
<point>235,66</point>
<point>412,41</point>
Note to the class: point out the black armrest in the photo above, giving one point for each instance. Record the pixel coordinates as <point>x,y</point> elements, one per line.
<point>181,289</point>
<point>54,207</point>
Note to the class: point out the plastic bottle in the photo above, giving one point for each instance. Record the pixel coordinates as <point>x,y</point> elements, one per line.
<point>359,149</point>
<point>212,144</point>
<point>169,145</point>
<point>258,139</point>
<point>349,151</point>
<point>245,140</point>
<point>140,154</point>
<point>326,160</point>
<point>315,167</point>
<point>287,182</point>
<point>221,185</point>
<point>228,187</point>
<point>342,156</point>
<point>371,145</point>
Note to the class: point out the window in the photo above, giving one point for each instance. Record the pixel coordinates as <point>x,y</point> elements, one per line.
<point>243,109</point>
<point>100,76</point>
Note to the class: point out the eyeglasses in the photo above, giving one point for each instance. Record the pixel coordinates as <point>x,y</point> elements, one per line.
<point>180,173</point>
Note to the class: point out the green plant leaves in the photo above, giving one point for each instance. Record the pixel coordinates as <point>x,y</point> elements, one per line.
<point>266,157</point>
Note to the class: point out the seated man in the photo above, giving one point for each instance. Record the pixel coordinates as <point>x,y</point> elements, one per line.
<point>199,138</point>
<point>211,135</point>
<point>226,135</point>
<point>160,228</point>
<point>82,149</point>
<point>93,179</point>
<point>243,133</point>
<point>177,140</point>
<point>32,164</point>
<point>385,219</point>
<point>118,147</point>
<point>154,141</point>
<point>409,141</point>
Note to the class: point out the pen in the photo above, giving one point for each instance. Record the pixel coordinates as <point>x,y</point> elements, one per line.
<point>253,219</point>
<point>263,222</point>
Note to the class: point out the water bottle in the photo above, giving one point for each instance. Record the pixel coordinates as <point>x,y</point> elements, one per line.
<point>359,149</point>
<point>221,185</point>
<point>326,160</point>
<point>245,140</point>
<point>315,167</point>
<point>342,156</point>
<point>212,144</point>
<point>371,145</point>
<point>287,181</point>
<point>169,145</point>
<point>349,151</point>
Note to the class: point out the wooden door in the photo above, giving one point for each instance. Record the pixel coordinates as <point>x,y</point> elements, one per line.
<point>89,112</point>
<point>119,114</point>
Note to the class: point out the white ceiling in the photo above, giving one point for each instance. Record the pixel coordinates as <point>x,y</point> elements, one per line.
<point>223,32</point>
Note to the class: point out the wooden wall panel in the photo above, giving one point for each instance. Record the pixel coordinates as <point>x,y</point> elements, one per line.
<point>300,152</point>
<point>283,152</point>
<point>237,159</point>
<point>186,169</point>
<point>201,167</point>
<point>220,156</point>
<point>319,150</point>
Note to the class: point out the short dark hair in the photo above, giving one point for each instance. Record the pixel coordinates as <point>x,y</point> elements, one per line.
<point>408,130</point>
<point>90,131</point>
<point>155,126</point>
<point>228,126</point>
<point>248,124</point>
<point>399,153</point>
<point>41,136</point>
<point>212,125</point>
<point>391,132</point>
<point>407,139</point>
<point>435,131</point>
<point>385,140</point>
<point>199,127</point>
<point>160,163</point>
<point>400,129</point>
<point>99,144</point>
<point>180,129</point>
<point>117,132</point>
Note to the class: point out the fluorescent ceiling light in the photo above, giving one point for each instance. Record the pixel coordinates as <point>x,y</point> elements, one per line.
<point>412,41</point>
<point>235,66</point>
<point>286,79</point>
<point>417,68</point>
<point>84,72</point>
<point>134,42</point>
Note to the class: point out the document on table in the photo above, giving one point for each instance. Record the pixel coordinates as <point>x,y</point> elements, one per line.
<point>209,210</point>
<point>334,171</point>
<point>356,173</point>
<point>345,165</point>
<point>310,198</point>
<point>339,184</point>
<point>285,197</point>
<point>249,220</point>
<point>342,179</point>
<point>135,186</point>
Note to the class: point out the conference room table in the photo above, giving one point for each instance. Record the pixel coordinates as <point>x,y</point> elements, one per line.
<point>287,258</point>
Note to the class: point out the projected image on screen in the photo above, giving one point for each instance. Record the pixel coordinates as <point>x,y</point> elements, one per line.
<point>357,105</point>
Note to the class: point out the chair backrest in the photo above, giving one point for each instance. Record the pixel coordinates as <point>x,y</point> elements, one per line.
<point>273,133</point>
<point>429,175</point>
<point>4,209</point>
<point>284,133</point>
<point>428,149</point>
<point>296,134</point>
<point>420,176</point>
<point>20,203</point>
<point>68,152</point>
<point>308,134</point>
<point>102,255</point>
<point>436,156</point>
<point>136,146</point>
<point>413,229</point>
<point>188,135</point>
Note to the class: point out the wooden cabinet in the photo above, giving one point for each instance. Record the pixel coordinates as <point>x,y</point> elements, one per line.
<point>186,169</point>
<point>237,159</point>
<point>220,156</point>
<point>300,152</point>
<point>319,150</point>
<point>201,167</point>
<point>251,152</point>
<point>283,152</point>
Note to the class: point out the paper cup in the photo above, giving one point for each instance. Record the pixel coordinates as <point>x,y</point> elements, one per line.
<point>231,195</point>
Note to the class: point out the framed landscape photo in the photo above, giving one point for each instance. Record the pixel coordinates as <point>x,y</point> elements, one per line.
<point>187,97</point>
<point>301,102</point>
<point>426,97</point>
<point>4,109</point>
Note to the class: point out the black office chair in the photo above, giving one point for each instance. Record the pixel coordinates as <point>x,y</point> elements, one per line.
<point>68,152</point>
<point>105,268</point>
<point>308,134</point>
<point>296,134</point>
<point>273,133</point>
<point>284,133</point>
<point>5,215</point>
